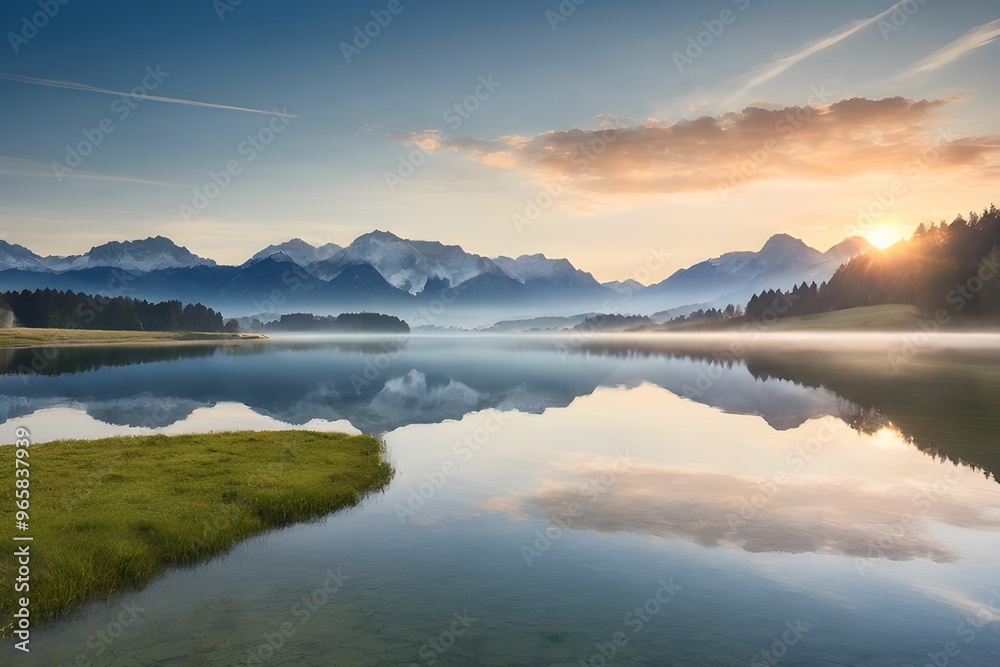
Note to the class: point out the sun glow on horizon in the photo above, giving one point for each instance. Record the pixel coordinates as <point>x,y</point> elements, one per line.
<point>884,236</point>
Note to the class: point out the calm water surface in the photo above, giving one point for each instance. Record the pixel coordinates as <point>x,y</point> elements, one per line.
<point>633,501</point>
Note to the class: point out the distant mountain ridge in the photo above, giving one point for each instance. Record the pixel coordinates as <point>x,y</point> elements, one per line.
<point>142,256</point>
<point>382,271</point>
<point>405,264</point>
<point>782,262</point>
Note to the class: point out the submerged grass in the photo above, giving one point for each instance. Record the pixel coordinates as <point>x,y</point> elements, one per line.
<point>109,515</point>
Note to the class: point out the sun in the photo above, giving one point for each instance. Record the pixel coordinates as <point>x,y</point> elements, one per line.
<point>884,236</point>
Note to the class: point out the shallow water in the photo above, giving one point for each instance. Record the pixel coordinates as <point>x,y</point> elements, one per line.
<point>560,501</point>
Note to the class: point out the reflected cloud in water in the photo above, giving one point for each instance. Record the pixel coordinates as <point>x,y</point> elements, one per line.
<point>841,516</point>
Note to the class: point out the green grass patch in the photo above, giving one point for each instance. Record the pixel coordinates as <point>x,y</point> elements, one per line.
<point>891,317</point>
<point>110,515</point>
<point>21,337</point>
<point>865,318</point>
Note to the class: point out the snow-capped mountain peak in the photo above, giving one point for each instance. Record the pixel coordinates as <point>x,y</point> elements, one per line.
<point>407,264</point>
<point>274,257</point>
<point>13,256</point>
<point>299,251</point>
<point>528,268</point>
<point>142,256</point>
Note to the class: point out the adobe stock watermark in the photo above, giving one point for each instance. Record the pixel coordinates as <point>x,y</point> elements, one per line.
<point>786,126</point>
<point>752,331</point>
<point>899,17</point>
<point>635,620</point>
<point>793,634</point>
<point>463,450</point>
<point>223,7</point>
<point>427,315</point>
<point>560,522</point>
<point>86,312</point>
<point>121,108</point>
<point>967,630</point>
<point>562,12</point>
<point>30,25</point>
<point>655,260</point>
<point>958,298</point>
<point>102,639</point>
<point>766,490</point>
<point>908,523</point>
<point>714,28</point>
<point>913,170</point>
<point>247,151</point>
<point>582,157</point>
<point>437,646</point>
<point>302,611</point>
<point>454,116</point>
<point>365,33</point>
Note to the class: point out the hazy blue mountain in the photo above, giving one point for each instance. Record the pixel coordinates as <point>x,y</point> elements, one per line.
<point>783,261</point>
<point>363,281</point>
<point>383,272</point>
<point>625,287</point>
<point>298,251</point>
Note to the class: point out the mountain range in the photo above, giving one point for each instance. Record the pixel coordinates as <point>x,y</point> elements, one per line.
<point>381,271</point>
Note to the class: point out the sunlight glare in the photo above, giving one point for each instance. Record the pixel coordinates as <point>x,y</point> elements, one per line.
<point>884,236</point>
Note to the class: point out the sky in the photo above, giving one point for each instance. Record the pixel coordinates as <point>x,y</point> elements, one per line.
<point>631,137</point>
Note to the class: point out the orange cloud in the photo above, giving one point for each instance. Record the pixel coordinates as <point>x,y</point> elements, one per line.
<point>833,141</point>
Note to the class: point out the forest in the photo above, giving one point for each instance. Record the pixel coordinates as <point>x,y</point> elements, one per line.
<point>954,268</point>
<point>345,323</point>
<point>55,309</point>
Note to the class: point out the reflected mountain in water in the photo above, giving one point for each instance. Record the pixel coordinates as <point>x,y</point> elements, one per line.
<point>943,400</point>
<point>377,387</point>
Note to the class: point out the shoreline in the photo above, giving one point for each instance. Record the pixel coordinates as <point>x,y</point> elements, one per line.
<point>23,338</point>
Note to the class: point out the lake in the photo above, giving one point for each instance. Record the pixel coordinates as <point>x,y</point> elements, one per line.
<point>631,500</point>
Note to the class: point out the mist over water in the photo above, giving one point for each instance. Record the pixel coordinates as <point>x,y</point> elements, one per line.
<point>550,486</point>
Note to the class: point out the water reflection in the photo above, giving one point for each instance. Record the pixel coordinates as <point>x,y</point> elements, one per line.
<point>942,400</point>
<point>378,386</point>
<point>771,486</point>
<point>842,517</point>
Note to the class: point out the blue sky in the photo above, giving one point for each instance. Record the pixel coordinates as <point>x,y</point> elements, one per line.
<point>665,184</point>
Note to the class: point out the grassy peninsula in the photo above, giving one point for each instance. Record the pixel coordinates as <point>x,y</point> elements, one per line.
<point>112,514</point>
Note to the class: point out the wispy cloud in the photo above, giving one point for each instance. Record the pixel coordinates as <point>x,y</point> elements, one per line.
<point>71,85</point>
<point>975,38</point>
<point>15,166</point>
<point>769,70</point>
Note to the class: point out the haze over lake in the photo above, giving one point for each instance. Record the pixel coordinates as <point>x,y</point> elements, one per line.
<point>660,498</point>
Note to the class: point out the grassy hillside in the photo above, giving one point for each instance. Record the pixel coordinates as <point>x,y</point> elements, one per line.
<point>891,317</point>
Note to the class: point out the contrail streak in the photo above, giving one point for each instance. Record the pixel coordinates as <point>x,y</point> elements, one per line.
<point>70,85</point>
